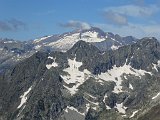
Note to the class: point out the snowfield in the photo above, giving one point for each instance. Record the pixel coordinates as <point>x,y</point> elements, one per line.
<point>24,97</point>
<point>74,76</point>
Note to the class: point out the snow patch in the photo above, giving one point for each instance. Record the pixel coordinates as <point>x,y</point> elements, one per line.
<point>121,108</point>
<point>90,95</point>
<point>8,42</point>
<point>21,110</point>
<point>125,77</point>
<point>156,96</point>
<point>91,104</point>
<point>116,41</point>
<point>87,107</point>
<point>41,39</point>
<point>115,74</point>
<point>133,114</point>
<point>123,115</point>
<point>113,47</point>
<point>130,86</point>
<point>91,37</point>
<point>37,47</point>
<point>75,76</point>
<point>24,97</point>
<point>158,63</point>
<point>94,103</point>
<point>50,57</point>
<point>155,67</point>
<point>107,107</point>
<point>54,64</point>
<point>94,108</point>
<point>113,39</point>
<point>74,109</point>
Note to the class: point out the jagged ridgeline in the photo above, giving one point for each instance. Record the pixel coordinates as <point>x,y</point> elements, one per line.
<point>12,51</point>
<point>85,83</point>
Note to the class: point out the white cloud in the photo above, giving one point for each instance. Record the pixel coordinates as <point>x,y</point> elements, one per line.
<point>134,10</point>
<point>12,25</point>
<point>136,30</point>
<point>116,18</point>
<point>121,15</point>
<point>121,18</point>
<point>75,25</point>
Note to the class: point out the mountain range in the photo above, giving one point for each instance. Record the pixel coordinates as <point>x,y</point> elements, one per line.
<point>13,51</point>
<point>80,75</point>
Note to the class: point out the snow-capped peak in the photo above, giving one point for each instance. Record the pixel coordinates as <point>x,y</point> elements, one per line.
<point>65,41</point>
<point>41,39</point>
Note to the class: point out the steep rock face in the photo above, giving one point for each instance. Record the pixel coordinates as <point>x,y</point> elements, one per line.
<point>81,50</point>
<point>31,82</point>
<point>20,78</point>
<point>84,83</point>
<point>152,114</point>
<point>139,55</point>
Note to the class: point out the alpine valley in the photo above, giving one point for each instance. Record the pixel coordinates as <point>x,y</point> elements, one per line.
<point>80,75</point>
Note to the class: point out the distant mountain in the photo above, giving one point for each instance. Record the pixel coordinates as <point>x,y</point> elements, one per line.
<point>85,83</point>
<point>104,41</point>
<point>13,51</point>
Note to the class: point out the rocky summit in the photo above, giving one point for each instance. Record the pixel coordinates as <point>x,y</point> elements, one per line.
<point>84,82</point>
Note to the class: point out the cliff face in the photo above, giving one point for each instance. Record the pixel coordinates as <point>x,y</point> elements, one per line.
<point>84,83</point>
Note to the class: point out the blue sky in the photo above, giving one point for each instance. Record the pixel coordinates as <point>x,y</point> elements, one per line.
<point>30,19</point>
